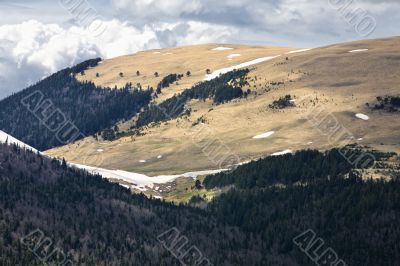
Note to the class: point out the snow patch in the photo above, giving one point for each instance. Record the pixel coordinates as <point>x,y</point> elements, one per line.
<point>264,135</point>
<point>141,181</point>
<point>142,161</point>
<point>11,140</point>
<point>216,73</point>
<point>222,48</point>
<point>362,116</point>
<point>231,56</point>
<point>299,51</point>
<point>196,174</point>
<point>358,50</point>
<point>141,188</point>
<point>100,150</point>
<point>282,153</point>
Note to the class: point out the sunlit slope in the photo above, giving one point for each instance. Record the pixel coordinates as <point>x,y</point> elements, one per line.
<point>328,81</point>
<point>196,59</point>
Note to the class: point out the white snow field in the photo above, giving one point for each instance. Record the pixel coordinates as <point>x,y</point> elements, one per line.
<point>299,51</point>
<point>231,56</point>
<point>358,50</point>
<point>196,174</point>
<point>135,180</point>
<point>222,48</point>
<point>264,135</point>
<point>216,73</point>
<point>141,181</point>
<point>282,153</point>
<point>362,116</point>
<point>138,181</point>
<point>11,140</point>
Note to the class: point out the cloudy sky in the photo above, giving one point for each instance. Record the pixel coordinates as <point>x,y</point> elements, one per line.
<point>39,37</point>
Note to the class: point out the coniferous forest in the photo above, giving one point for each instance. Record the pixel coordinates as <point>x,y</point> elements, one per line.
<point>95,222</point>
<point>303,166</point>
<point>60,109</point>
<point>222,89</point>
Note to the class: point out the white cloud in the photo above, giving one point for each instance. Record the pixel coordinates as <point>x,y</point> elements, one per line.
<point>31,50</point>
<point>150,9</point>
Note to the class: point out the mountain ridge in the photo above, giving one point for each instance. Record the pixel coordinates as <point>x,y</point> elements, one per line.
<point>332,79</point>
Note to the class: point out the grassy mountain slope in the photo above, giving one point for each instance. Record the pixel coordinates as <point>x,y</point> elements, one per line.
<point>326,81</point>
<point>196,59</point>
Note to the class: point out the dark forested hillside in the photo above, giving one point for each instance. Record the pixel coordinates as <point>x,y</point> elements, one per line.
<point>303,166</point>
<point>167,81</point>
<point>60,109</point>
<point>95,222</point>
<point>222,89</point>
<point>357,220</point>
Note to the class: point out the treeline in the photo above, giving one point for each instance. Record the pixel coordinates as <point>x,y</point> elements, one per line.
<point>60,109</point>
<point>168,80</point>
<point>304,166</point>
<point>85,65</point>
<point>388,103</point>
<point>221,89</point>
<point>283,102</point>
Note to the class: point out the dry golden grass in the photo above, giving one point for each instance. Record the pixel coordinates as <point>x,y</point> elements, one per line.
<point>333,81</point>
<point>196,59</point>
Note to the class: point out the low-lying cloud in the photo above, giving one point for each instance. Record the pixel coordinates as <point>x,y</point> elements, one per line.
<point>32,50</point>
